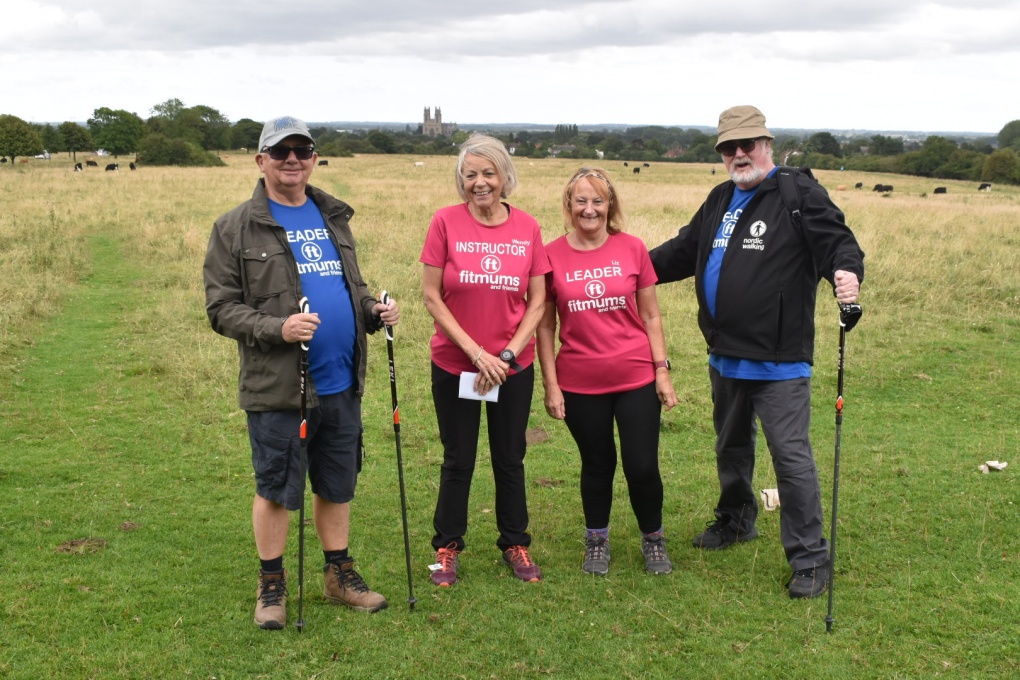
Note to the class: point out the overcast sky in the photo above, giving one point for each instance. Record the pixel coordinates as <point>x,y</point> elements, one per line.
<point>938,66</point>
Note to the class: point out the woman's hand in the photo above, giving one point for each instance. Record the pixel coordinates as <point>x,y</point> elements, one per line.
<point>664,388</point>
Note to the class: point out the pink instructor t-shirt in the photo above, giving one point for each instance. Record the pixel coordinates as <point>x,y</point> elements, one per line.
<point>486,271</point>
<point>603,343</point>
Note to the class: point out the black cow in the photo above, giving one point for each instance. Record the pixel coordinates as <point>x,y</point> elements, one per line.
<point>624,163</point>
<point>637,170</point>
<point>3,160</point>
<point>323,162</point>
<point>77,167</point>
<point>859,185</point>
<point>940,190</point>
<point>91,164</point>
<point>112,166</point>
<point>646,165</point>
<point>985,186</point>
<point>131,165</point>
<point>883,188</point>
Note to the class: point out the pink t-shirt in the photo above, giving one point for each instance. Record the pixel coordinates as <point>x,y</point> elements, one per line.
<point>603,343</point>
<point>486,271</point>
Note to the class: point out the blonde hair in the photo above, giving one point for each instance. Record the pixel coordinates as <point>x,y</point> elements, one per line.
<point>599,180</point>
<point>492,150</point>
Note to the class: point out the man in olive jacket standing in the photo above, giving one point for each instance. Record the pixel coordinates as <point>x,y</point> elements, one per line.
<point>756,273</point>
<point>290,241</point>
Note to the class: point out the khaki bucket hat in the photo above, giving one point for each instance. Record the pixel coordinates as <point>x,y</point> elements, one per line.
<point>741,122</point>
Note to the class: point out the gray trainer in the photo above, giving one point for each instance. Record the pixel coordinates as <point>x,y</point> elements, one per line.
<point>653,546</point>
<point>596,556</point>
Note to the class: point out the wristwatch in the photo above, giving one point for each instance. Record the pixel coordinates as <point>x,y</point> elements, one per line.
<point>508,356</point>
<point>663,364</point>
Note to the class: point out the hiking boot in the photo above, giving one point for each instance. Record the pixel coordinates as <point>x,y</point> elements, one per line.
<point>810,582</point>
<point>596,556</point>
<point>345,586</point>
<point>271,602</point>
<point>447,561</point>
<point>653,547</point>
<point>517,556</point>
<point>718,535</point>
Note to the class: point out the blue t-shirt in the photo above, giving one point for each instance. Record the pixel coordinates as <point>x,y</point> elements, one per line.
<point>733,367</point>
<point>331,351</point>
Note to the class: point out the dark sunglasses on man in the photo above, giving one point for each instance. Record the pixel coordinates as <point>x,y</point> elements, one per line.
<point>281,152</point>
<point>730,148</point>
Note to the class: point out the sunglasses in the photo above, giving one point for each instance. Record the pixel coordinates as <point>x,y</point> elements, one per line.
<point>281,152</point>
<point>730,148</point>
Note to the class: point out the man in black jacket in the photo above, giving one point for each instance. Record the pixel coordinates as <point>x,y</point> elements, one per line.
<point>756,275</point>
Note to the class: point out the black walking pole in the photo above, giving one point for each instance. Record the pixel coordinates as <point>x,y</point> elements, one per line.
<point>849,315</point>
<point>303,304</point>
<point>400,460</point>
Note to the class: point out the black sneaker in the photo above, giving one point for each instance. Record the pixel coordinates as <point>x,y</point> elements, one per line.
<point>653,547</point>
<point>809,582</point>
<point>718,535</point>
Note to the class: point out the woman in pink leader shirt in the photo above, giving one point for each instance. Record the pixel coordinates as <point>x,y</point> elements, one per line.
<point>484,285</point>
<point>611,365</point>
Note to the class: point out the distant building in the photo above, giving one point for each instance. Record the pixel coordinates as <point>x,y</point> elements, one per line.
<point>435,127</point>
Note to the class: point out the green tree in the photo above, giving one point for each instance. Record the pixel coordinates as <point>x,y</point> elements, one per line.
<point>117,131</point>
<point>933,154</point>
<point>51,140</point>
<point>383,141</point>
<point>76,138</point>
<point>158,149</point>
<point>1002,165</point>
<point>213,126</point>
<point>245,134</point>
<point>823,142</point>
<point>18,138</point>
<point>886,146</point>
<point>1009,135</point>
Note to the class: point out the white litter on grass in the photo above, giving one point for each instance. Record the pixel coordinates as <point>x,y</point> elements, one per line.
<point>435,567</point>
<point>770,499</point>
<point>989,465</point>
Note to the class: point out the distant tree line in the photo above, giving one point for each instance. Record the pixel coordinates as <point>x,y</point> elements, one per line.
<point>175,134</point>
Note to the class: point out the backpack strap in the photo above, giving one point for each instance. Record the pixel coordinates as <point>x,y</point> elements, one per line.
<point>787,180</point>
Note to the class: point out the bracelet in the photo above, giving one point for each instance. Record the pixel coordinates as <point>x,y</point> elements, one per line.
<point>480,350</point>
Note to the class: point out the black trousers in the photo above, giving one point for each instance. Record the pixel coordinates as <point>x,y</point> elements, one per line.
<point>590,418</point>
<point>459,423</point>
<point>784,408</point>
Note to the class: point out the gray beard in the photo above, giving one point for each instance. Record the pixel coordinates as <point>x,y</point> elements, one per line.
<point>749,175</point>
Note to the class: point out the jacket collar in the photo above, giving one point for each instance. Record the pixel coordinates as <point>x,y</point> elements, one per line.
<point>330,207</point>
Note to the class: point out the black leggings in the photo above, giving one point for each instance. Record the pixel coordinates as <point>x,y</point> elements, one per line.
<point>459,422</point>
<point>590,420</point>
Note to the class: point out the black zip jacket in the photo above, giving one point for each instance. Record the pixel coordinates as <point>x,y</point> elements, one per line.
<point>765,305</point>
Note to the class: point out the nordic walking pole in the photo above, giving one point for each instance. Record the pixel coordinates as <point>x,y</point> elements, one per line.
<point>849,315</point>
<point>303,305</point>
<point>400,461</point>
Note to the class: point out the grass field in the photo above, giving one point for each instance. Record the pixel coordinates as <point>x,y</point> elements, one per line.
<point>125,470</point>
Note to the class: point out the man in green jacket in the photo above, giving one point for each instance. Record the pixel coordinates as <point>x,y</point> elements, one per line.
<point>289,241</point>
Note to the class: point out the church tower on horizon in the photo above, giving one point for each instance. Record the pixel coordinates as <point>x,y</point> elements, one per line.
<point>434,127</point>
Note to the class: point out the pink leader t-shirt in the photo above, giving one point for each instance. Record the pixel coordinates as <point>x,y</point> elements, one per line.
<point>486,271</point>
<point>603,343</point>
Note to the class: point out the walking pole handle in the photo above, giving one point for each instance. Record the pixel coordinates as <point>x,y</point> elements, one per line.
<point>385,299</point>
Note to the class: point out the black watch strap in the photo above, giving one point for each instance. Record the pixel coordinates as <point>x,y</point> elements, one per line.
<point>509,357</point>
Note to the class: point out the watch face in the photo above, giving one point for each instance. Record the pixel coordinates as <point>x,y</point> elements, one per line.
<point>507,355</point>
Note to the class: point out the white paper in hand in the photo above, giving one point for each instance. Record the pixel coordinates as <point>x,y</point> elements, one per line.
<point>467,389</point>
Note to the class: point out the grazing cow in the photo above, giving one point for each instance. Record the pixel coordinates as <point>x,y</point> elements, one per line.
<point>91,164</point>
<point>419,164</point>
<point>131,165</point>
<point>636,170</point>
<point>625,164</point>
<point>77,167</point>
<point>3,160</point>
<point>323,162</point>
<point>878,187</point>
<point>646,165</point>
<point>883,188</point>
<point>985,186</point>
<point>23,160</point>
<point>859,185</point>
<point>112,166</point>
<point>841,187</point>
<point>940,190</point>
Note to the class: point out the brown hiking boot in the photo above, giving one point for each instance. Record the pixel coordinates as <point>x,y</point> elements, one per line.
<point>271,605</point>
<point>343,585</point>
